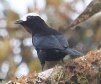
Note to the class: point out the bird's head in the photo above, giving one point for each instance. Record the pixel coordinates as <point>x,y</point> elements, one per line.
<point>31,22</point>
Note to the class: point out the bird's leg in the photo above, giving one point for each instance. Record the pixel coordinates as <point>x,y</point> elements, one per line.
<point>62,61</point>
<point>42,65</point>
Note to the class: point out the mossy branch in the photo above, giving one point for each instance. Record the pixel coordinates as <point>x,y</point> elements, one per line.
<point>82,70</point>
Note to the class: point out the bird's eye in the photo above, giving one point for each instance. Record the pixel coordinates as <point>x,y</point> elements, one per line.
<point>28,17</point>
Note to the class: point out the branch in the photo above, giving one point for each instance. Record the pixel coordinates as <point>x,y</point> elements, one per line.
<point>82,70</point>
<point>93,8</point>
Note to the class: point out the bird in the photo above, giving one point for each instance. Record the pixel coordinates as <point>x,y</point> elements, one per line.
<point>50,44</point>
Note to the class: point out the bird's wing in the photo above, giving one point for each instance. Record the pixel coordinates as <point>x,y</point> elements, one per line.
<point>50,42</point>
<point>64,43</point>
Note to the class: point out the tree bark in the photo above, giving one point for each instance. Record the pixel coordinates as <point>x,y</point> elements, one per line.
<point>93,8</point>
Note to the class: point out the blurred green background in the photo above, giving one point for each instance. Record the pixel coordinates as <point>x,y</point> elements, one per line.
<point>17,54</point>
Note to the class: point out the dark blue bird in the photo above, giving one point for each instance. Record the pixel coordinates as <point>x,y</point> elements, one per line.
<point>50,44</point>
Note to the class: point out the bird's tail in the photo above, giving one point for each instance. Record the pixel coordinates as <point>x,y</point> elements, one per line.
<point>73,53</point>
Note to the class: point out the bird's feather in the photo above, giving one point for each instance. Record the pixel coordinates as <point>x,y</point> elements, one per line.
<point>50,42</point>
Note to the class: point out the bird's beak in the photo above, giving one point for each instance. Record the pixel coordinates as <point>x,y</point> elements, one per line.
<point>19,22</point>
